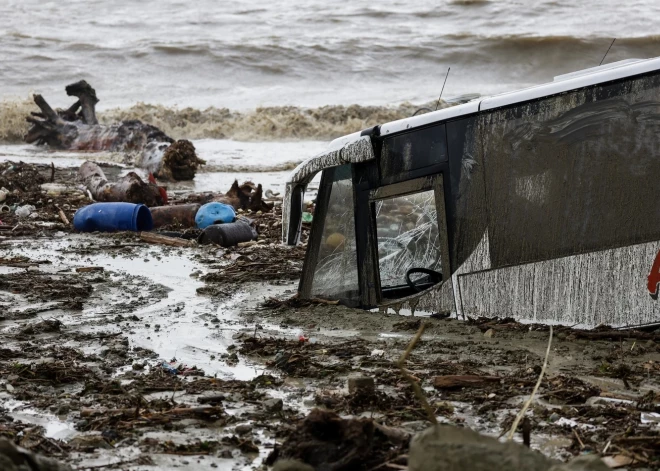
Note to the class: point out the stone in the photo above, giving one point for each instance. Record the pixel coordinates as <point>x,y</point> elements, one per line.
<point>89,443</point>
<point>361,385</point>
<point>14,458</point>
<point>450,448</point>
<point>291,465</point>
<point>489,333</point>
<point>243,429</point>
<point>273,405</point>
<point>582,463</point>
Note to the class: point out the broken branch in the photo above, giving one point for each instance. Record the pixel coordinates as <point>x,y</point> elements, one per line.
<point>415,386</point>
<point>165,240</point>
<point>525,406</point>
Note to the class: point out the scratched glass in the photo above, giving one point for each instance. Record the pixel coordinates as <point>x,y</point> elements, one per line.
<point>408,237</point>
<point>336,271</point>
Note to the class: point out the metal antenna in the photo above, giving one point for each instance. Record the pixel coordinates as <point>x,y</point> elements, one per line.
<point>443,89</point>
<point>608,50</point>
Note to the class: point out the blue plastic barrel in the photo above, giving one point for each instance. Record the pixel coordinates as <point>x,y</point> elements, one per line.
<point>110,217</point>
<point>214,213</point>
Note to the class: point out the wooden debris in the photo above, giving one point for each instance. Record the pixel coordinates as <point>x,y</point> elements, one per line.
<point>153,238</point>
<point>181,412</point>
<point>77,128</point>
<point>129,188</point>
<point>89,269</point>
<point>245,196</point>
<point>63,217</point>
<point>462,381</point>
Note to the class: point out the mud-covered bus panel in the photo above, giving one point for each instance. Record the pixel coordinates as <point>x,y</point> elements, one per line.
<point>349,149</point>
<point>549,205</point>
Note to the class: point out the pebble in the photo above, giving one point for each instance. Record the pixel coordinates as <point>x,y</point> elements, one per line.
<point>361,385</point>
<point>489,333</point>
<point>81,424</point>
<point>273,405</point>
<point>243,429</point>
<point>554,417</point>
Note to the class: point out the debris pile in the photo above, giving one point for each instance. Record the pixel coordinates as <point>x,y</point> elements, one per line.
<point>77,128</point>
<point>323,440</point>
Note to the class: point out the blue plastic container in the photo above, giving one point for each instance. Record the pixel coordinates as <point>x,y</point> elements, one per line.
<point>110,217</point>
<point>214,213</point>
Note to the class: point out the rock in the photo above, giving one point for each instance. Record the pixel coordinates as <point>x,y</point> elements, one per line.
<point>273,405</point>
<point>13,458</point>
<point>89,443</point>
<point>489,333</point>
<point>211,397</point>
<point>582,463</point>
<point>554,417</point>
<point>243,429</point>
<point>291,465</point>
<point>415,426</point>
<point>449,448</point>
<point>361,385</point>
<point>325,441</point>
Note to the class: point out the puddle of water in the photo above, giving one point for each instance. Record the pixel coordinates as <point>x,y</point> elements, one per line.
<point>388,335</point>
<point>181,315</point>
<point>55,428</point>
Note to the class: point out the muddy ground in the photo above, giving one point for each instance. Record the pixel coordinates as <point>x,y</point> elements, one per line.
<point>120,355</point>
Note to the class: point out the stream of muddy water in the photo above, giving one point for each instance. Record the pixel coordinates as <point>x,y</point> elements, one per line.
<point>158,287</point>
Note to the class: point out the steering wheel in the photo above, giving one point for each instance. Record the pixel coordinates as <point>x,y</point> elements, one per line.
<point>435,276</point>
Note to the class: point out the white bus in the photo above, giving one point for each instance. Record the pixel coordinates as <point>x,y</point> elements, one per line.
<point>537,205</point>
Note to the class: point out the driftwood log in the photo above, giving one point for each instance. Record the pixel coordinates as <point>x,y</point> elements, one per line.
<point>77,128</point>
<point>463,381</point>
<point>129,189</point>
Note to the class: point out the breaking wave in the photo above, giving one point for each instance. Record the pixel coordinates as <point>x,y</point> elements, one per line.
<point>12,119</point>
<point>236,168</point>
<point>275,123</point>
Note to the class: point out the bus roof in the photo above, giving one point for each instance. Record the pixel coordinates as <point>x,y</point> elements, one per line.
<point>562,83</point>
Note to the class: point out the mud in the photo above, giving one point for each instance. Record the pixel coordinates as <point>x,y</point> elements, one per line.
<point>121,355</point>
